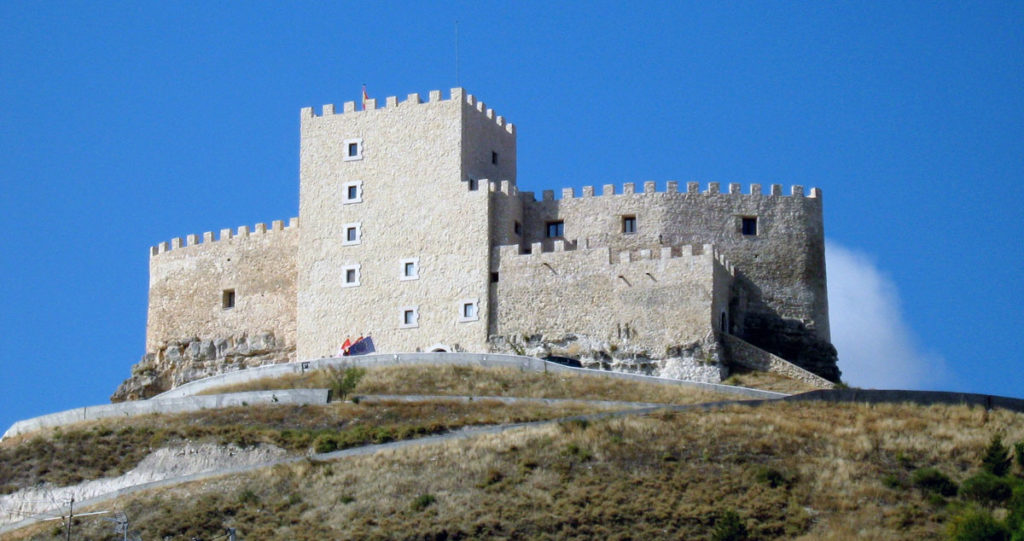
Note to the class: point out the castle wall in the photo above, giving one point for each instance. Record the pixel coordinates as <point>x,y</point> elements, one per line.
<point>651,301</point>
<point>187,280</point>
<point>416,203</point>
<point>781,268</point>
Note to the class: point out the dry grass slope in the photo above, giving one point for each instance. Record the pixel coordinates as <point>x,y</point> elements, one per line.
<point>477,381</point>
<point>803,471</point>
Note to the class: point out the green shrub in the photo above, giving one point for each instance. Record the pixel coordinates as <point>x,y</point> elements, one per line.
<point>325,443</point>
<point>729,527</point>
<point>343,382</point>
<point>772,477</point>
<point>977,525</point>
<point>986,488</point>
<point>1018,453</point>
<point>894,482</point>
<point>932,480</point>
<point>422,502</point>
<point>997,458</point>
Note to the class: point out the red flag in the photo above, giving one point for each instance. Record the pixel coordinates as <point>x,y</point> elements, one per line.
<point>365,97</point>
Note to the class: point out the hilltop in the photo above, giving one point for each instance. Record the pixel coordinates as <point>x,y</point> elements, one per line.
<point>537,469</point>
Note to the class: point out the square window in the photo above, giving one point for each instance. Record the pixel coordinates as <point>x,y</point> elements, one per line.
<point>410,317</point>
<point>353,192</point>
<point>227,299</point>
<point>353,149</point>
<point>353,234</point>
<point>409,269</point>
<point>517,228</point>
<point>629,224</point>
<point>494,158</point>
<point>474,184</point>
<point>350,276</point>
<point>494,277</point>
<point>749,226</point>
<point>468,310</point>
<point>555,229</point>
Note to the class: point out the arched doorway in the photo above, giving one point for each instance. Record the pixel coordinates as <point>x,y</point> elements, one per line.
<point>439,348</point>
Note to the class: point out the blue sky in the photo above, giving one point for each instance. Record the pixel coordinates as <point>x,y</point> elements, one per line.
<point>126,124</point>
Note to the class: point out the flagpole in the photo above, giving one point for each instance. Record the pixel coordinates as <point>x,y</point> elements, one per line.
<point>457,81</point>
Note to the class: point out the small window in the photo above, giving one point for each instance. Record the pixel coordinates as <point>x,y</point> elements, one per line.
<point>410,317</point>
<point>227,299</point>
<point>409,269</point>
<point>517,228</point>
<point>494,277</point>
<point>353,192</point>
<point>749,226</point>
<point>474,184</point>
<point>629,224</point>
<point>494,158</point>
<point>353,149</point>
<point>468,310</point>
<point>353,234</point>
<point>350,276</point>
<point>555,229</point>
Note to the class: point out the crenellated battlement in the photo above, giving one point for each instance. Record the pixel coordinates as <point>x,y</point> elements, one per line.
<point>225,234</point>
<point>504,187</point>
<point>392,103</point>
<point>672,187</point>
<point>566,250</point>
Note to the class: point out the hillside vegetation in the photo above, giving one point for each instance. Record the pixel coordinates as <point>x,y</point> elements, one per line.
<point>478,381</point>
<point>776,471</point>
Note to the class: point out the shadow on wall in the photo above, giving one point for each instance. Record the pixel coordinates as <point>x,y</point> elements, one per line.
<point>761,325</point>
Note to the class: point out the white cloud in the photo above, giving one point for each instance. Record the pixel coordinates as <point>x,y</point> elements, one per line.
<point>876,347</point>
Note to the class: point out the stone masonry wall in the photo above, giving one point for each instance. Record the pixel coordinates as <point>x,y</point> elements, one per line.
<point>416,204</point>
<point>635,311</point>
<point>187,280</point>
<point>781,303</point>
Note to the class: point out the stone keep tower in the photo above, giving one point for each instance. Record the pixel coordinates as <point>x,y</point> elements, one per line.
<point>395,236</point>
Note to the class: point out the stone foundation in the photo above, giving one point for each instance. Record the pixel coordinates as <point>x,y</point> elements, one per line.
<point>182,361</point>
<point>698,361</point>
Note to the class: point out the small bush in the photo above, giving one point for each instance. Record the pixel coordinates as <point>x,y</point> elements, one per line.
<point>772,477</point>
<point>977,525</point>
<point>247,496</point>
<point>932,480</point>
<point>894,482</point>
<point>422,502</point>
<point>1018,453</point>
<point>986,488</point>
<point>343,382</point>
<point>325,443</point>
<point>729,527</point>
<point>997,459</point>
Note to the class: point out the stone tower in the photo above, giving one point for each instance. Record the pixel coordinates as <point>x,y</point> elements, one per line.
<point>395,237</point>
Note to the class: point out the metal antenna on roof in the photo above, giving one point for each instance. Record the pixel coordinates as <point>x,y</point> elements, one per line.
<point>457,81</point>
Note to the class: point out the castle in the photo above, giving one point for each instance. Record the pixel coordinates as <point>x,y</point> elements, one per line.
<point>411,229</point>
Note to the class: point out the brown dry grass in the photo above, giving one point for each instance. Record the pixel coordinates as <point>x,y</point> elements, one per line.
<point>111,447</point>
<point>664,476</point>
<point>478,381</point>
<point>768,382</point>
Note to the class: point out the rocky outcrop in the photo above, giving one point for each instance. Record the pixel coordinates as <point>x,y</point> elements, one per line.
<point>698,361</point>
<point>182,361</point>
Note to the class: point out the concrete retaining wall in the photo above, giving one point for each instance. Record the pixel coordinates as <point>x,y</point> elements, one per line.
<point>923,398</point>
<point>487,360</point>
<point>170,405</point>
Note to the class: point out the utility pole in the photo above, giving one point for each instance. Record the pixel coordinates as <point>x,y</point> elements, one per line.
<point>71,516</point>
